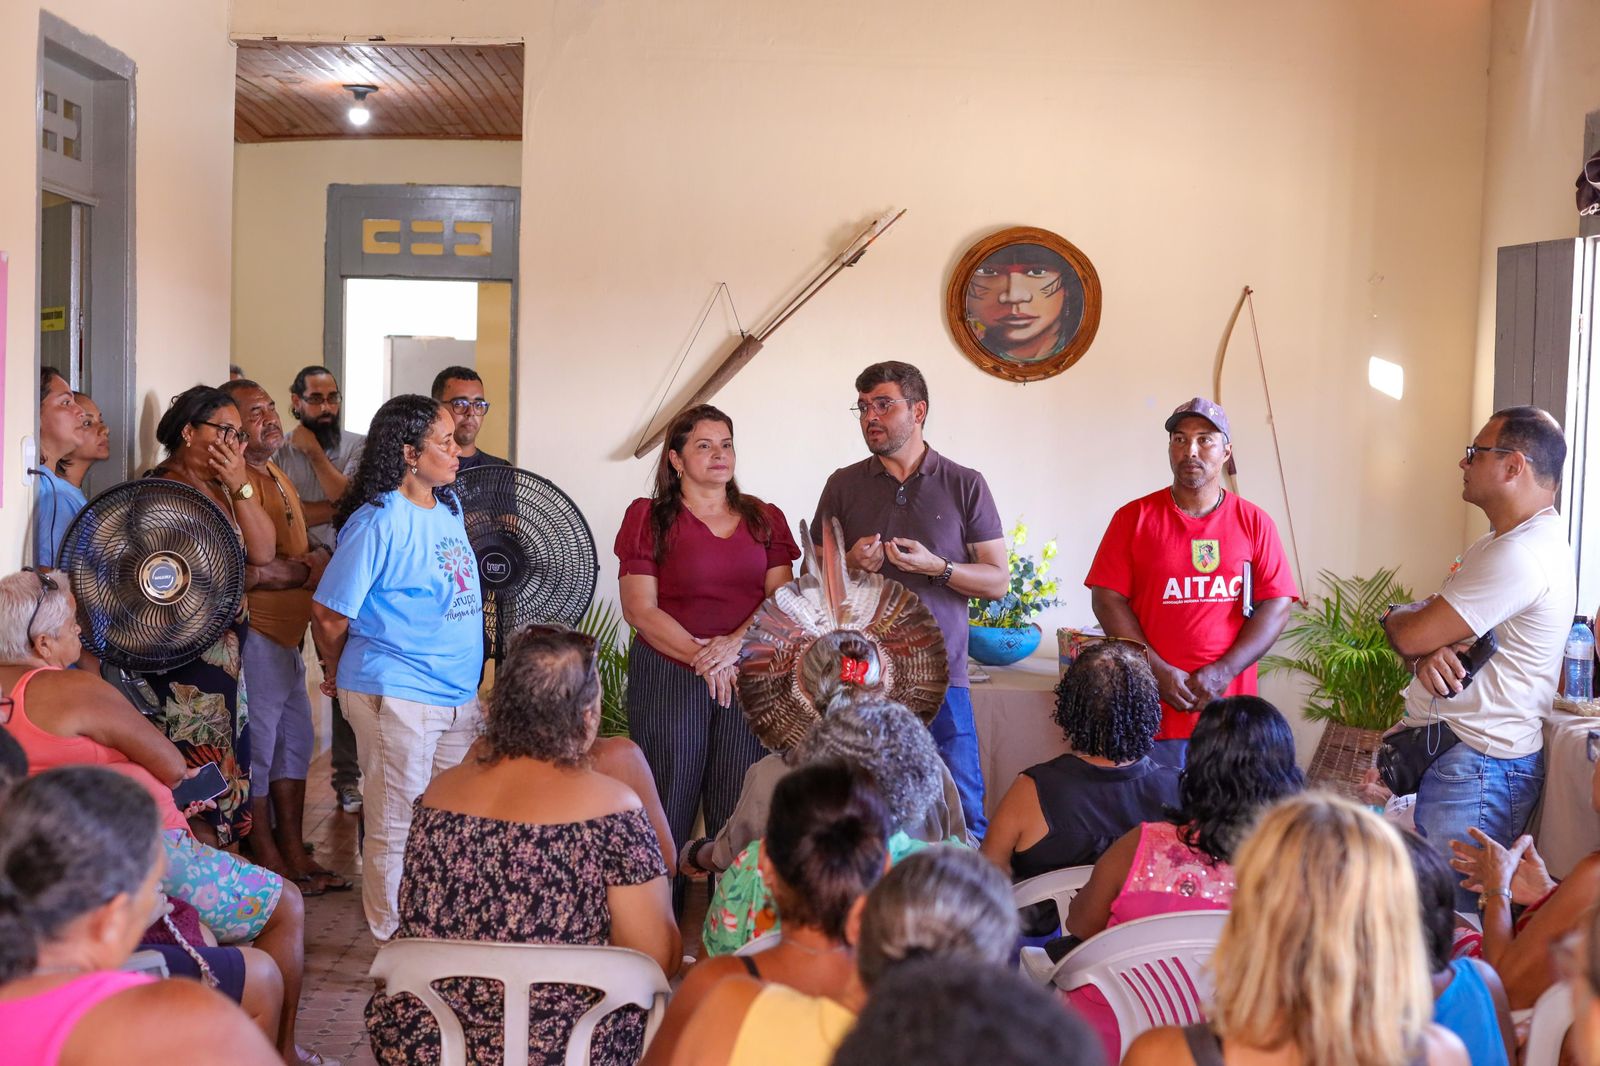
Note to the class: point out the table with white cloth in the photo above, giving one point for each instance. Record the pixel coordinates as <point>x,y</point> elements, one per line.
<point>1568,828</point>
<point>1014,713</point>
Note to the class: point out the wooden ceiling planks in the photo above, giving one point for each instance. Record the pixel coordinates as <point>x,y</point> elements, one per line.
<point>288,92</point>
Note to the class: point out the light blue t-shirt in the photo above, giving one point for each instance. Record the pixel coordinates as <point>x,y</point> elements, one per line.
<point>59,503</point>
<point>407,579</point>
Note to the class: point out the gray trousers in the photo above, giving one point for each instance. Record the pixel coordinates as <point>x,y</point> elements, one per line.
<point>346,770</point>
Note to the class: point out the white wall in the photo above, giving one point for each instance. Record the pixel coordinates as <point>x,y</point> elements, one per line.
<point>280,223</point>
<point>184,159</point>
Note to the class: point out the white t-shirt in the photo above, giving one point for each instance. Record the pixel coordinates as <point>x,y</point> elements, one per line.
<point>1522,585</point>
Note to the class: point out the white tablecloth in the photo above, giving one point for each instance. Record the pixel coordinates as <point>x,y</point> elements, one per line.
<point>1013,712</point>
<point>1568,828</point>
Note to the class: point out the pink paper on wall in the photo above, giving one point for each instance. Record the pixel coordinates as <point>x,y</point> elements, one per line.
<point>5,266</point>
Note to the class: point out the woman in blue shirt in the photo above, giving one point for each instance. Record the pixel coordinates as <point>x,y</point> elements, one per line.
<point>398,625</point>
<point>62,428</point>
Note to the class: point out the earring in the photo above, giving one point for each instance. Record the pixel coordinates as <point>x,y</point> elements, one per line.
<point>413,469</point>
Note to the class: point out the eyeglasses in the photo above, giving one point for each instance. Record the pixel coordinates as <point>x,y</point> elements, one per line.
<point>881,405</point>
<point>1474,449</point>
<point>462,405</point>
<point>226,432</point>
<point>47,585</point>
<point>317,399</point>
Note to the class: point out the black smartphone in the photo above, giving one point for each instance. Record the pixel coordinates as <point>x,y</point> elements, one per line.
<point>1475,657</point>
<point>208,784</point>
<point>1247,590</point>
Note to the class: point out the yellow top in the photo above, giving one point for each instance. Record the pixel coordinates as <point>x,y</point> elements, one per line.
<point>788,1028</point>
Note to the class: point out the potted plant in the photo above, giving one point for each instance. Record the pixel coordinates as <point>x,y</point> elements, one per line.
<point>1358,680</point>
<point>1001,632</point>
<point>604,623</point>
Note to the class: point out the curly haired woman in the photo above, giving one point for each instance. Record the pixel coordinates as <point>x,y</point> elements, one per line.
<point>398,624</point>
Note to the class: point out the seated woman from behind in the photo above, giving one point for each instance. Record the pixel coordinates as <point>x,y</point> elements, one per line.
<point>524,842</point>
<point>1321,960</point>
<point>80,860</point>
<point>1068,811</point>
<point>1468,998</point>
<point>943,903</point>
<point>825,843</point>
<point>1241,759</point>
<point>874,733</point>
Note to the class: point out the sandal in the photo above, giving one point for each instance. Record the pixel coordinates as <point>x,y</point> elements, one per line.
<point>313,1058</point>
<point>330,881</point>
<point>309,886</point>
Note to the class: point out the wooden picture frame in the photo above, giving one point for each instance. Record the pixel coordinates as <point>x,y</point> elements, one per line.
<point>994,318</point>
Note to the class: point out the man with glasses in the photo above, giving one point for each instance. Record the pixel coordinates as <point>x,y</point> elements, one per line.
<point>319,458</point>
<point>912,515</point>
<point>461,389</point>
<point>1195,574</point>
<point>1517,581</point>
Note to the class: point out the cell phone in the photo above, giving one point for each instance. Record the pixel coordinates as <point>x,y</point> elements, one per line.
<point>208,784</point>
<point>1475,657</point>
<point>1247,590</point>
<point>1591,747</point>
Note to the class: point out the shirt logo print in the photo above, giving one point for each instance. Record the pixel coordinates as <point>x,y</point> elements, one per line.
<point>1205,554</point>
<point>455,559</point>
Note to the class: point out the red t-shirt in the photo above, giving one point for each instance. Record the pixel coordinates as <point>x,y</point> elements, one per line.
<point>707,584</point>
<point>1186,585</point>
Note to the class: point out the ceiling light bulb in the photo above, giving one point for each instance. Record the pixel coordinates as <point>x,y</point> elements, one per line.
<point>359,115</point>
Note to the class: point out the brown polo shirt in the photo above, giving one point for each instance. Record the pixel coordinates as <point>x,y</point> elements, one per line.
<point>281,615</point>
<point>944,505</point>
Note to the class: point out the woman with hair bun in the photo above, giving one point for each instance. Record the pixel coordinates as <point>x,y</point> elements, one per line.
<point>826,839</point>
<point>398,625</point>
<point>1241,761</point>
<point>79,865</point>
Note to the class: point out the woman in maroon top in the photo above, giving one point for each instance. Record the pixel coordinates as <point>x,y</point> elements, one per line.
<point>695,561</point>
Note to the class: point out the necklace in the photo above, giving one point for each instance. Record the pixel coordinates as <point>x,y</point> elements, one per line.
<point>1220,495</point>
<point>288,512</point>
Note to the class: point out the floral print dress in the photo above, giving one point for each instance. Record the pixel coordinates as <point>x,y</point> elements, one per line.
<point>473,878</point>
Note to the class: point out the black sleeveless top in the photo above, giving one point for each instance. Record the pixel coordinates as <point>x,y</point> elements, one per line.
<point>1086,808</point>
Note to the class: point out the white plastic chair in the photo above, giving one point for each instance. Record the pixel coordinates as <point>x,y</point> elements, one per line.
<point>623,976</point>
<point>1058,885</point>
<point>1151,970</point>
<point>760,944</point>
<point>1552,1017</point>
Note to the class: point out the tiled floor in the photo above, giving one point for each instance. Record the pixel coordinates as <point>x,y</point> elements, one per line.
<point>339,948</point>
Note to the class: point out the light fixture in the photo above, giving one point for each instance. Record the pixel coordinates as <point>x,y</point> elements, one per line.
<point>359,115</point>
<point>1388,378</point>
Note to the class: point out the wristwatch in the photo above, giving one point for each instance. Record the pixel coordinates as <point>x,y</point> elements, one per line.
<point>944,577</point>
<point>244,492</point>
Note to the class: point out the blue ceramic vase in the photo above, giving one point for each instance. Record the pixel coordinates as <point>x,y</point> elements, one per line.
<point>994,646</point>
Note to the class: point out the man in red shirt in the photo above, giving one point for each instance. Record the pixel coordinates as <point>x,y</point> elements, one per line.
<point>1171,574</point>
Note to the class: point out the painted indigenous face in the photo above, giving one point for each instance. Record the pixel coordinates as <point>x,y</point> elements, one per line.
<point>1016,301</point>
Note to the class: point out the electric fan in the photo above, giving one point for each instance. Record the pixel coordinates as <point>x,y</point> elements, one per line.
<point>536,554</point>
<point>158,572</point>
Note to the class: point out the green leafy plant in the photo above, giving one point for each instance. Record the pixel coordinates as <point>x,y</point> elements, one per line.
<point>604,623</point>
<point>1032,590</point>
<point>1337,642</point>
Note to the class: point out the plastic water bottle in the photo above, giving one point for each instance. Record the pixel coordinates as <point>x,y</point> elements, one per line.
<point>1577,668</point>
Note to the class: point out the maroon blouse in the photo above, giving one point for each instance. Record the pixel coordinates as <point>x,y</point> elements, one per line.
<point>707,584</point>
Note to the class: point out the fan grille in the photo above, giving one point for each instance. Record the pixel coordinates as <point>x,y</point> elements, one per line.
<point>536,553</point>
<point>158,572</point>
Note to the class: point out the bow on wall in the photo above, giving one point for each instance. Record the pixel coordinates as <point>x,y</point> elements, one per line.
<point>1247,300</point>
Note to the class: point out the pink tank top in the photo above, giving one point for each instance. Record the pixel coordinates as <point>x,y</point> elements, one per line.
<point>1168,875</point>
<point>36,1028</point>
<point>46,751</point>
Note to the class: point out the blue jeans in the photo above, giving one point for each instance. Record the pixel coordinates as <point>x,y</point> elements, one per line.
<point>1463,789</point>
<point>957,740</point>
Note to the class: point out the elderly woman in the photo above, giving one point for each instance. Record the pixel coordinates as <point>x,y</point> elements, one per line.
<point>398,624</point>
<point>1068,811</point>
<point>79,867</point>
<point>204,706</point>
<point>826,839</point>
<point>942,903</point>
<point>524,842</point>
<point>64,717</point>
<point>694,561</point>
<point>892,745</point>
<point>61,432</point>
<point>1322,958</point>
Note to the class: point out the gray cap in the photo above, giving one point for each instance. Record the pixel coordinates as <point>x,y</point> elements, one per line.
<point>1211,412</point>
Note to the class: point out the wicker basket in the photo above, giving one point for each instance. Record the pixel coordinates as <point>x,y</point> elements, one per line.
<point>1343,757</point>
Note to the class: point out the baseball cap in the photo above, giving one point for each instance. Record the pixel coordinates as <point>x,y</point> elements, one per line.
<point>1211,412</point>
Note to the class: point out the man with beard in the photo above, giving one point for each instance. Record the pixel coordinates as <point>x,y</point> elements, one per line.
<point>1170,575</point>
<point>280,611</point>
<point>318,458</point>
<point>916,517</point>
